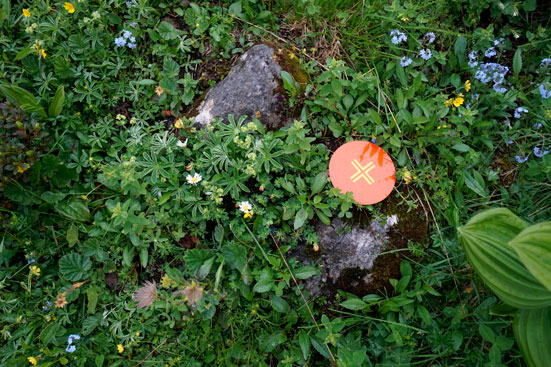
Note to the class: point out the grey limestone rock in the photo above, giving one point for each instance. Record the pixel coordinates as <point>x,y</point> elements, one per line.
<point>250,86</point>
<point>360,256</point>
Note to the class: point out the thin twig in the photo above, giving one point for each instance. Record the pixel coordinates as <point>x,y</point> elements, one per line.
<point>443,246</point>
<point>150,353</point>
<point>301,294</point>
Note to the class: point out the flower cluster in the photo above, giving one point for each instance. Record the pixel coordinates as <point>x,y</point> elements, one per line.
<point>398,37</point>
<point>424,53</point>
<point>127,39</point>
<point>492,72</point>
<point>457,101</point>
<point>70,346</point>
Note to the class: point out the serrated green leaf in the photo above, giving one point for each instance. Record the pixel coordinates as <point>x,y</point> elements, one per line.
<point>91,323</point>
<point>75,267</point>
<point>72,235</point>
<point>74,209</point>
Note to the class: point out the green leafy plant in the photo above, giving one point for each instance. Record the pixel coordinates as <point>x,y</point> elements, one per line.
<point>513,260</point>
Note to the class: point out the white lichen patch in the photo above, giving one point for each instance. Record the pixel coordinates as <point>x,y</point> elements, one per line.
<point>205,117</point>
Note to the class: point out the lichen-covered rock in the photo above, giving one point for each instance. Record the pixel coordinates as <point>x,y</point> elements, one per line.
<point>250,88</point>
<point>358,257</point>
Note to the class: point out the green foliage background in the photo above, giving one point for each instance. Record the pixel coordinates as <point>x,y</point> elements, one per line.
<point>94,179</point>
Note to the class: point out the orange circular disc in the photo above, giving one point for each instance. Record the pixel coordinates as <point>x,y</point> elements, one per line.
<point>363,168</point>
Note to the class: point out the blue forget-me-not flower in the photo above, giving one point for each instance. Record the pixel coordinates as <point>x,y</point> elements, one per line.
<point>405,61</point>
<point>120,42</point>
<point>521,159</point>
<point>544,92</point>
<point>491,52</point>
<point>539,152</point>
<point>545,63</point>
<point>70,348</point>
<point>430,37</point>
<point>425,54</point>
<point>519,111</point>
<point>398,37</point>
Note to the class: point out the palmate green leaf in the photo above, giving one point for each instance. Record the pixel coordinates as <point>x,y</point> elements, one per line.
<point>485,239</point>
<point>532,331</point>
<point>533,246</point>
<point>75,267</point>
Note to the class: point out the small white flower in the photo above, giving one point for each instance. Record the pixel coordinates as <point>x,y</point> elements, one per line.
<point>182,145</point>
<point>392,220</point>
<point>245,207</point>
<point>194,180</point>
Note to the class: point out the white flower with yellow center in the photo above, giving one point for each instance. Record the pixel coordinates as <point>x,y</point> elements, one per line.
<point>195,179</point>
<point>246,208</point>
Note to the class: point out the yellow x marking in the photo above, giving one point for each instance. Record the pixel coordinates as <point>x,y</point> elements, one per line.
<point>362,172</point>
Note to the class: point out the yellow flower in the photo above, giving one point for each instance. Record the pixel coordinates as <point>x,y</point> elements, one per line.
<point>69,7</point>
<point>159,90</point>
<point>449,102</point>
<point>248,215</point>
<point>26,14</point>
<point>43,53</point>
<point>32,360</point>
<point>178,124</point>
<point>167,282</point>
<point>468,85</point>
<point>22,167</point>
<point>458,101</point>
<point>34,270</point>
<point>120,348</point>
<point>137,333</point>
<point>84,197</point>
<point>291,55</point>
<point>407,177</point>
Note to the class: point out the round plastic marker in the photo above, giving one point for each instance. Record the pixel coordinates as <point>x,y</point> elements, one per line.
<point>363,168</point>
